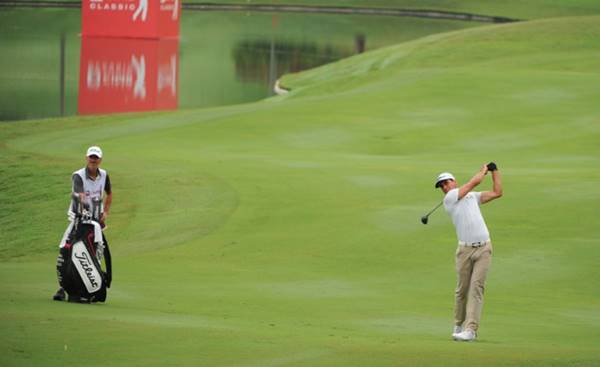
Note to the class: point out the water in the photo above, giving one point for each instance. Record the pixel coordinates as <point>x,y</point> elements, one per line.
<point>221,58</point>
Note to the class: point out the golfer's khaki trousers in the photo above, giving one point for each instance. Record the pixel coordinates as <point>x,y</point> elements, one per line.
<point>472,265</point>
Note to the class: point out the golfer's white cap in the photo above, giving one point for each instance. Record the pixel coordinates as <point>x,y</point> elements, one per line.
<point>94,151</point>
<point>443,177</point>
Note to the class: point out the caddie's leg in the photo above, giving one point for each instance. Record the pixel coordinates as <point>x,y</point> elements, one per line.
<point>60,293</point>
<point>464,268</point>
<point>482,260</point>
<point>66,235</point>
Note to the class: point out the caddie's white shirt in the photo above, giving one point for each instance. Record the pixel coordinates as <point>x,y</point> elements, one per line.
<point>466,216</point>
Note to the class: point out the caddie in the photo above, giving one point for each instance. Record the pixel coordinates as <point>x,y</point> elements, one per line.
<point>89,183</point>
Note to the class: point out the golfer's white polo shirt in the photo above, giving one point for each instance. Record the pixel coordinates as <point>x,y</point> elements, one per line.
<point>466,216</point>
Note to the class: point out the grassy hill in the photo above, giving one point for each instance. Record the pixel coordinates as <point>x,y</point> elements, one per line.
<point>509,8</point>
<point>287,233</point>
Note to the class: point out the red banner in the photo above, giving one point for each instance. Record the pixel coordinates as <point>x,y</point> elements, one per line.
<point>130,18</point>
<point>126,75</point>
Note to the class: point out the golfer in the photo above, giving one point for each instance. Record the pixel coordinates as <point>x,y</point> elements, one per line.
<point>89,183</point>
<point>474,253</point>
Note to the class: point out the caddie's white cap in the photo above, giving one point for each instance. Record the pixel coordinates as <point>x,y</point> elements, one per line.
<point>94,151</point>
<point>443,177</point>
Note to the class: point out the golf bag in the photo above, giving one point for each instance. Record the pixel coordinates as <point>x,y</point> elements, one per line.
<point>78,265</point>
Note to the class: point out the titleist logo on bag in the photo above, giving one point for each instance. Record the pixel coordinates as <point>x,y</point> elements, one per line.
<point>85,267</point>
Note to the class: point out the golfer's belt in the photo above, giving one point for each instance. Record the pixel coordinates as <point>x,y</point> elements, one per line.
<point>474,244</point>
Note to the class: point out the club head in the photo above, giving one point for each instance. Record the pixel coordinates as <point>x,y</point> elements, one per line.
<point>424,219</point>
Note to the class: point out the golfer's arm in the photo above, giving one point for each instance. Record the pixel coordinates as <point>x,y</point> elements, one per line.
<point>497,188</point>
<point>466,188</point>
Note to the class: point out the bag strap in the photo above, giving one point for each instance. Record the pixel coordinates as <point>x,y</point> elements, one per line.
<point>107,262</point>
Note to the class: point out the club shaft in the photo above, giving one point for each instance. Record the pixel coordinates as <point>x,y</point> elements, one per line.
<point>434,209</point>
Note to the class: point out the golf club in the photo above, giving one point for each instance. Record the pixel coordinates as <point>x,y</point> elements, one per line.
<point>425,218</point>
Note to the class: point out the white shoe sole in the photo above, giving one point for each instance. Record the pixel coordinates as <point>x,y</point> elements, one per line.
<point>464,340</point>
<point>458,339</point>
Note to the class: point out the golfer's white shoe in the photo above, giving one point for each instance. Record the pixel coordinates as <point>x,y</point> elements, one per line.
<point>457,330</point>
<point>465,336</point>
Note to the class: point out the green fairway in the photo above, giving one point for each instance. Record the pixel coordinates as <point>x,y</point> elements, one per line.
<point>286,232</point>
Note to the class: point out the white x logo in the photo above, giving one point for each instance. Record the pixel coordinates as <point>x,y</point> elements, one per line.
<point>139,67</point>
<point>141,9</point>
